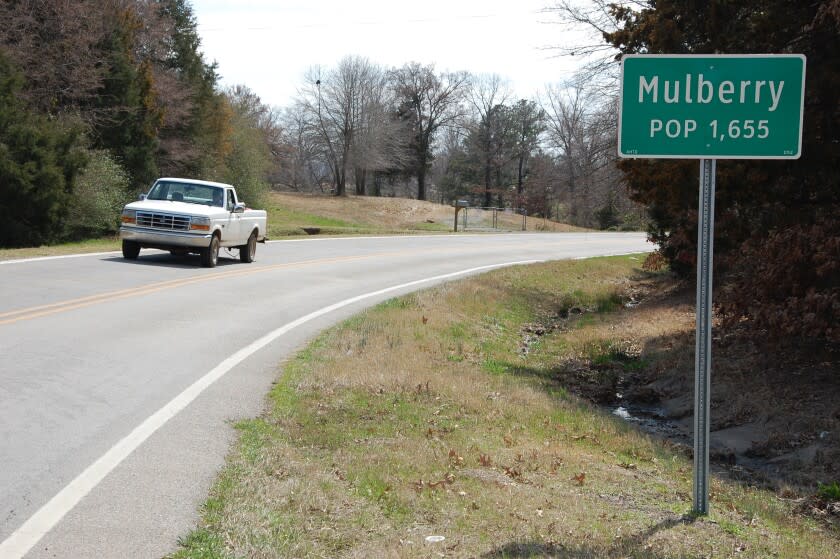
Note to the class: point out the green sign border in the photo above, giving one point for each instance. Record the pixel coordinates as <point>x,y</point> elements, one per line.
<point>698,57</point>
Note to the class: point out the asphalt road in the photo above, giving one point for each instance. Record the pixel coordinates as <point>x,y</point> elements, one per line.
<point>120,380</point>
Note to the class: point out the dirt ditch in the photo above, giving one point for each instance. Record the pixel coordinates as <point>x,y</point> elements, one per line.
<point>775,407</point>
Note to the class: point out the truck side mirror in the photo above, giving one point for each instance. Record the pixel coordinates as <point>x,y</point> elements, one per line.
<point>141,197</point>
<point>239,208</point>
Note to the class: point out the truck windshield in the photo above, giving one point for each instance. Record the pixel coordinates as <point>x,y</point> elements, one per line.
<point>187,192</point>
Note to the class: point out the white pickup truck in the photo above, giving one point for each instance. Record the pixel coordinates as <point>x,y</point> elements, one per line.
<point>191,216</point>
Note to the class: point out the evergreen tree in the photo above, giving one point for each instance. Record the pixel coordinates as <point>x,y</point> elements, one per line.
<point>204,137</point>
<point>130,117</point>
<point>39,161</point>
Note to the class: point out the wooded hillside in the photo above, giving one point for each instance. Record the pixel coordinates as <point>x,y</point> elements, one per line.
<point>118,93</point>
<point>100,98</point>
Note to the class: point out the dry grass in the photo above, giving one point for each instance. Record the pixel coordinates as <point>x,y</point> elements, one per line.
<point>365,214</point>
<point>106,244</point>
<point>441,414</point>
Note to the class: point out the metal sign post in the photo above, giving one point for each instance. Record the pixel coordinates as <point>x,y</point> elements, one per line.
<point>703,347</point>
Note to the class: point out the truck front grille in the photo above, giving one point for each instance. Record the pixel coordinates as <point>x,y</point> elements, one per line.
<point>168,222</point>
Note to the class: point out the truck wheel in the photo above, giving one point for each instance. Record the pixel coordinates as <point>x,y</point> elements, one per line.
<point>248,250</point>
<point>130,250</point>
<point>210,255</point>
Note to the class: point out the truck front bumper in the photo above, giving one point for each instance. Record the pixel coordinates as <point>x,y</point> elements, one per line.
<point>151,238</point>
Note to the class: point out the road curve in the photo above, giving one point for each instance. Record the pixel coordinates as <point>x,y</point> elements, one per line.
<point>119,380</point>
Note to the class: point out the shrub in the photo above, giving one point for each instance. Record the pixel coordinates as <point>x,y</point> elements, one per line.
<point>655,262</point>
<point>100,193</point>
<point>786,282</point>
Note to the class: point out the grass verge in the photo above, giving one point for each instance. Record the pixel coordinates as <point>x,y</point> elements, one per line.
<point>444,413</point>
<point>105,244</point>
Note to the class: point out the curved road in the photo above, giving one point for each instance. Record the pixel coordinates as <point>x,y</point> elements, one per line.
<point>119,381</point>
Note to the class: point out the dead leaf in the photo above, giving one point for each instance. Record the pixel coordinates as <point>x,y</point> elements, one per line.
<point>513,473</point>
<point>580,478</point>
<point>425,320</point>
<point>485,460</point>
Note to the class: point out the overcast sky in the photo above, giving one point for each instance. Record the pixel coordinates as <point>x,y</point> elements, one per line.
<point>268,45</point>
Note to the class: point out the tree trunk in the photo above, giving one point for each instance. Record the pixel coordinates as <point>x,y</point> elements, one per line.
<point>573,202</point>
<point>487,194</point>
<point>361,178</point>
<point>339,180</point>
<point>421,180</point>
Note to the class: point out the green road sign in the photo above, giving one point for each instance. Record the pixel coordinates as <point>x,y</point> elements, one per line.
<point>711,106</point>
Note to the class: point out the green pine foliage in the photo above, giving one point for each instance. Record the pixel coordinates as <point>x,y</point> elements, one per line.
<point>130,115</point>
<point>203,138</point>
<point>39,160</point>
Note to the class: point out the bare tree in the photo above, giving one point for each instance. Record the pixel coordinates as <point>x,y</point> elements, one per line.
<point>54,42</point>
<point>582,130</point>
<point>427,101</point>
<point>566,119</point>
<point>338,102</point>
<point>303,166</point>
<point>380,143</point>
<point>595,19</point>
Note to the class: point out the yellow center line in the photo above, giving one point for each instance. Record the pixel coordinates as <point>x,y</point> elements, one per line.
<point>30,313</point>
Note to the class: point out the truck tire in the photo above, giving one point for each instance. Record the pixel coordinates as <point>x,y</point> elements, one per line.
<point>130,250</point>
<point>249,249</point>
<point>210,255</point>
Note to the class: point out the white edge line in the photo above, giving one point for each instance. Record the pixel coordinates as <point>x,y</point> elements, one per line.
<point>61,257</point>
<point>39,524</point>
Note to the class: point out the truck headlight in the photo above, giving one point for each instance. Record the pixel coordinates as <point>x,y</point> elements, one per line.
<point>200,224</point>
<point>129,216</point>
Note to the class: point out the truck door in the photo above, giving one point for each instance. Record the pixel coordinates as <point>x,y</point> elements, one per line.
<point>234,221</point>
